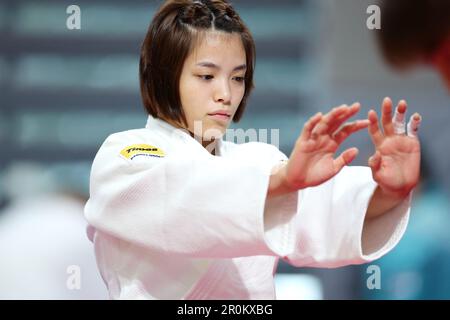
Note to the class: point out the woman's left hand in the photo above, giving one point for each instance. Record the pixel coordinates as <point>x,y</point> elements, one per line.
<point>396,162</point>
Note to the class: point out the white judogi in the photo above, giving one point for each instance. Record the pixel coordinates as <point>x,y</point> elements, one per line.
<point>172,221</point>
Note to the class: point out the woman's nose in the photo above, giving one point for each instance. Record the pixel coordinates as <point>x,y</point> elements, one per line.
<point>223,93</point>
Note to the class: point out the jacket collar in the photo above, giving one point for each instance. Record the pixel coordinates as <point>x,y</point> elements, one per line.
<point>177,133</point>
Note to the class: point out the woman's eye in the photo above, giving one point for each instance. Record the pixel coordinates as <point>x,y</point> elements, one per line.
<point>206,77</point>
<point>239,79</point>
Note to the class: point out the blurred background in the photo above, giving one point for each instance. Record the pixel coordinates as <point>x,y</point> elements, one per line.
<point>62,92</point>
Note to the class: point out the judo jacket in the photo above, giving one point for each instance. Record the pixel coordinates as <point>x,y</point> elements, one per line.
<point>169,220</point>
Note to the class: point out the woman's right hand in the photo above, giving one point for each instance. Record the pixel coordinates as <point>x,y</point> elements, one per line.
<point>312,161</point>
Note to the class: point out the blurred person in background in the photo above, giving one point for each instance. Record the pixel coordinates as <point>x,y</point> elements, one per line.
<point>416,32</point>
<point>44,251</point>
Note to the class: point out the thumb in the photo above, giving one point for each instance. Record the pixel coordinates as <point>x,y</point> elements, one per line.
<point>345,158</point>
<point>375,161</point>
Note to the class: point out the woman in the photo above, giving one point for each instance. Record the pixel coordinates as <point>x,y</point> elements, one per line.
<point>178,213</point>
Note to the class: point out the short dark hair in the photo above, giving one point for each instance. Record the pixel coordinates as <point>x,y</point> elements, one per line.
<point>412,30</point>
<point>172,34</point>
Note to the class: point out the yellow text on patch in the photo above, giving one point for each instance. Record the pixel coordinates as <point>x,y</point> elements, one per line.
<point>141,150</point>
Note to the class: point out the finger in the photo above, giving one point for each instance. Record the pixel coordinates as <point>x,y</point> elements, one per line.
<point>398,121</point>
<point>328,120</point>
<point>386,117</point>
<point>375,161</point>
<point>349,112</point>
<point>414,124</point>
<point>310,124</point>
<point>345,158</point>
<point>374,130</point>
<point>349,129</point>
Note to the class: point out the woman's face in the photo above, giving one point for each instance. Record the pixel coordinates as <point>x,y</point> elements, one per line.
<point>212,84</point>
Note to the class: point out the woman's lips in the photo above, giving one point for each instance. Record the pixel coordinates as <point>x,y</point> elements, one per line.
<point>220,116</point>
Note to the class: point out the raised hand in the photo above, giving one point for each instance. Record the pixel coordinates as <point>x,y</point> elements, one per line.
<point>396,162</point>
<point>312,161</point>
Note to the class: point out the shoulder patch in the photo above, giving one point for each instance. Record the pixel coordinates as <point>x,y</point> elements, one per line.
<point>135,150</point>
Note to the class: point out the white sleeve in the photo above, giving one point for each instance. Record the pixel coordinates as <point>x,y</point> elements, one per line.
<point>280,214</point>
<point>331,227</point>
<point>185,204</point>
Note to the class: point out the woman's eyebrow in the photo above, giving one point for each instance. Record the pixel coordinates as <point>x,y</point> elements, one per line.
<point>214,66</point>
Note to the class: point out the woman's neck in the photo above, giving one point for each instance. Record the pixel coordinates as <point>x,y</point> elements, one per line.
<point>209,145</point>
